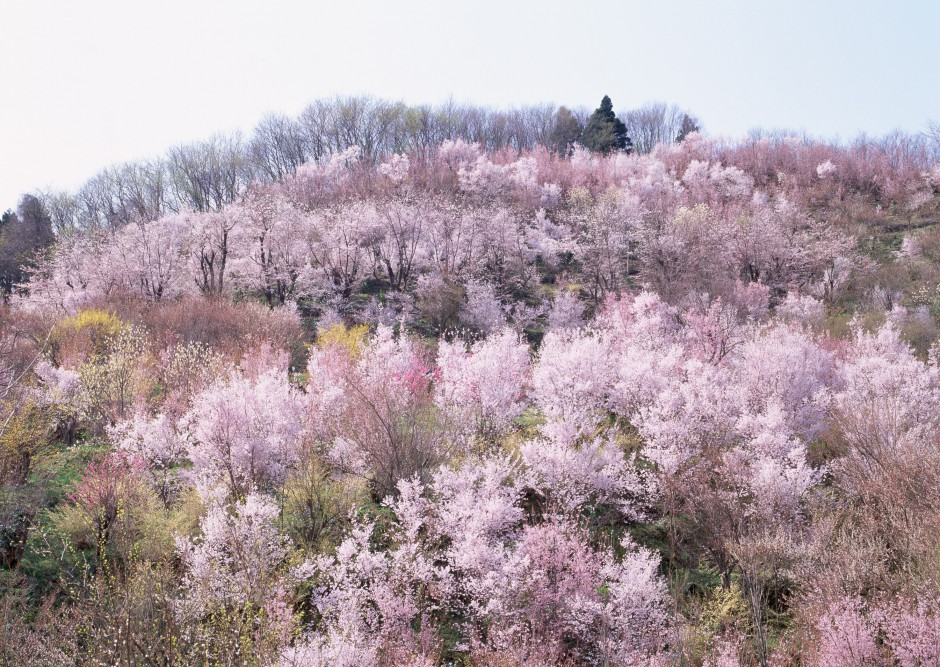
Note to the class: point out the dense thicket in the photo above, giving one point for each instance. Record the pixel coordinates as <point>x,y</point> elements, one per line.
<point>508,406</point>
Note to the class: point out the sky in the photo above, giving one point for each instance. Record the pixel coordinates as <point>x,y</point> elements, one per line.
<point>98,82</point>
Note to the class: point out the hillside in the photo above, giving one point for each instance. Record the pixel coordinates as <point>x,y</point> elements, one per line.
<point>529,404</point>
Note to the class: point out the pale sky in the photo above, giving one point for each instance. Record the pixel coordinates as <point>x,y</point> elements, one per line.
<point>89,83</point>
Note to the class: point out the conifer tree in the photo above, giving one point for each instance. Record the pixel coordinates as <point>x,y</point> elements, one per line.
<point>689,125</point>
<point>604,132</point>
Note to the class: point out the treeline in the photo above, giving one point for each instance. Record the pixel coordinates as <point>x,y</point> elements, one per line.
<point>206,175</point>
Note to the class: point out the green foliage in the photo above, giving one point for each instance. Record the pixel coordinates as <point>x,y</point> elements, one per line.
<point>604,132</point>
<point>49,560</point>
<point>23,235</point>
<point>111,382</point>
<point>689,125</point>
<point>25,434</point>
<point>143,528</point>
<point>439,304</point>
<point>720,611</point>
<point>317,506</point>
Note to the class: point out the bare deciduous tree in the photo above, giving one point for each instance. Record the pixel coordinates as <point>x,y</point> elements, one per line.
<point>653,124</point>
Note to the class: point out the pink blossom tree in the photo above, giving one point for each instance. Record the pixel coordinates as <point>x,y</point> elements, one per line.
<point>464,554</point>
<point>374,405</point>
<point>341,245</point>
<point>239,564</point>
<point>156,443</point>
<point>886,415</point>
<point>846,636</point>
<point>911,629</point>
<point>272,257</point>
<point>148,257</point>
<point>245,432</point>
<point>212,246</point>
<point>585,477</point>
<point>482,312</point>
<point>571,381</point>
<point>109,485</point>
<point>485,386</point>
<point>401,248</point>
<point>567,312</point>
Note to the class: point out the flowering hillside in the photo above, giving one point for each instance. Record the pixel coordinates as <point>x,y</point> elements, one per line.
<point>456,406</point>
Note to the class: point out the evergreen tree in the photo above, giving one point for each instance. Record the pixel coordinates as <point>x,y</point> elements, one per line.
<point>689,125</point>
<point>604,132</point>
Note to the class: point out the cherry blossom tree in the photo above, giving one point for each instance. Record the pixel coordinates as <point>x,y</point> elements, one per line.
<point>212,247</point>
<point>374,404</point>
<point>516,591</point>
<point>400,246</point>
<point>688,248</point>
<point>245,432</point>
<point>886,414</point>
<point>567,312</point>
<point>571,381</point>
<point>604,231</point>
<point>107,487</point>
<point>71,277</point>
<point>239,564</point>
<point>341,245</point>
<point>846,636</point>
<point>482,312</point>
<point>485,386</point>
<point>911,628</point>
<point>574,477</point>
<point>273,259</point>
<point>154,442</point>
